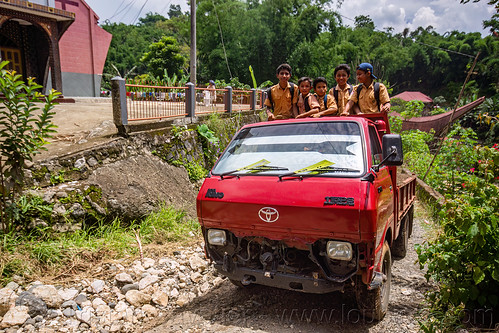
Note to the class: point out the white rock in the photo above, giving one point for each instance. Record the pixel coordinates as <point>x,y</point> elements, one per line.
<point>129,316</point>
<point>97,286</point>
<point>116,327</point>
<point>85,315</point>
<point>147,281</point>
<point>68,294</point>
<point>138,269</point>
<point>153,271</point>
<point>174,292</point>
<point>160,298</point>
<point>137,298</point>
<point>97,301</point>
<point>197,263</point>
<point>17,315</point>
<point>169,282</point>
<point>150,311</point>
<point>205,287</point>
<point>120,306</point>
<point>218,281</point>
<point>103,310</point>
<point>7,299</point>
<point>196,277</point>
<point>49,295</point>
<point>148,262</point>
<point>183,300</point>
<point>123,278</point>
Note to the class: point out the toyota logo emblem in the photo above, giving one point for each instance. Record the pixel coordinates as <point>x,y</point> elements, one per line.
<point>268,214</point>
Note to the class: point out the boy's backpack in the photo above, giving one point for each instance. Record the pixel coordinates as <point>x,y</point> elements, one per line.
<point>376,91</point>
<point>291,90</point>
<point>335,93</point>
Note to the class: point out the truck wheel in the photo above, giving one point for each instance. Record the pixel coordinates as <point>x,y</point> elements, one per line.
<point>400,245</point>
<point>374,303</point>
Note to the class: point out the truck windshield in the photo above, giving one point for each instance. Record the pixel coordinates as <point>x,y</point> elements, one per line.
<point>331,149</point>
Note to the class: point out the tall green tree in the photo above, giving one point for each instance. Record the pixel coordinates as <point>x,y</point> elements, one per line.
<point>164,55</point>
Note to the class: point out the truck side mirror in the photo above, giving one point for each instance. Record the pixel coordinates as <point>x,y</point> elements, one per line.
<point>392,150</point>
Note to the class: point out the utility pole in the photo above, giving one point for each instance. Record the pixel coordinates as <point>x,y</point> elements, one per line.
<point>193,42</point>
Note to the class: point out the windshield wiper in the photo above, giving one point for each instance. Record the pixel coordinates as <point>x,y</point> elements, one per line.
<point>260,166</point>
<point>321,167</point>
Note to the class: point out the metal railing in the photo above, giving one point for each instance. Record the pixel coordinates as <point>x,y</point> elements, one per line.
<point>137,102</point>
<point>154,102</point>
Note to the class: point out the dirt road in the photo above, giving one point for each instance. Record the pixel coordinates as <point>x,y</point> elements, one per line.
<point>262,309</point>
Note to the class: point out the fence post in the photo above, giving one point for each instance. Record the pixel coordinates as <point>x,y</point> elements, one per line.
<point>190,100</point>
<point>228,99</point>
<point>253,99</point>
<point>118,97</point>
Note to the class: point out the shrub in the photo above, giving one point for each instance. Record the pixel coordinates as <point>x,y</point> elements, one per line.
<point>23,130</point>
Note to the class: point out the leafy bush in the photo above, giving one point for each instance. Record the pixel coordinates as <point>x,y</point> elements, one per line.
<point>23,129</point>
<point>462,258</point>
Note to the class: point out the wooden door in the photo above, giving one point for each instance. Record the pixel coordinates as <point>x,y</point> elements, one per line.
<point>12,55</point>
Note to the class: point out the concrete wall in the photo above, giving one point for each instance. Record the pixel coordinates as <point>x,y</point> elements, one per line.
<point>80,84</point>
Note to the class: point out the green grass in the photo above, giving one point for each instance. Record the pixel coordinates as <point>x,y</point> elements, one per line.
<point>43,252</point>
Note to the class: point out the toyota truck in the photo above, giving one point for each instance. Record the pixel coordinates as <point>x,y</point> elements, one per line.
<point>312,205</point>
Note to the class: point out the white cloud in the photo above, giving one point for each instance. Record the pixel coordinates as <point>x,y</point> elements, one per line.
<point>425,17</point>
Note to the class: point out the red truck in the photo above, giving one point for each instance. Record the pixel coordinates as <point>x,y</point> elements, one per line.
<point>311,205</point>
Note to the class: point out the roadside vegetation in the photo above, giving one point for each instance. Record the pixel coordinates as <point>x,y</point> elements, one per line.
<point>461,257</point>
<point>44,254</point>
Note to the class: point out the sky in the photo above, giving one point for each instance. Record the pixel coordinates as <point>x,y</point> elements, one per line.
<point>443,15</point>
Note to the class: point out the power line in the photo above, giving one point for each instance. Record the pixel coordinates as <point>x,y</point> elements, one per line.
<point>440,48</point>
<point>121,11</point>
<point>222,38</point>
<point>136,17</point>
<point>129,7</point>
<point>116,11</point>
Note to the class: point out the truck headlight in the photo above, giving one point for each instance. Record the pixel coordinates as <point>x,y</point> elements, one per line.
<point>216,237</point>
<point>339,250</point>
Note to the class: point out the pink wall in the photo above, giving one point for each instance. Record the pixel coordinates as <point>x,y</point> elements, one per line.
<point>83,47</point>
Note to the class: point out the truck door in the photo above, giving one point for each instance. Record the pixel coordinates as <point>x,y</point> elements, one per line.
<point>383,188</point>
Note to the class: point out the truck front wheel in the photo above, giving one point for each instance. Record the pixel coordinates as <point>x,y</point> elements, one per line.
<point>374,303</point>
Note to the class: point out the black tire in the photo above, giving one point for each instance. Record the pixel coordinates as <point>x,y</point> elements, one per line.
<point>400,245</point>
<point>374,303</point>
<point>410,217</point>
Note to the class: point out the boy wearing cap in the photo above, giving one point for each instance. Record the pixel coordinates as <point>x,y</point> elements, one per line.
<point>282,97</point>
<point>372,97</point>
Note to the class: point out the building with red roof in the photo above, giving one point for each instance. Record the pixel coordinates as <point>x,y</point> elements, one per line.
<point>413,96</point>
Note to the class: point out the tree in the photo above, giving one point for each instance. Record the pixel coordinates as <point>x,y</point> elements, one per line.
<point>364,21</point>
<point>164,55</point>
<point>174,11</point>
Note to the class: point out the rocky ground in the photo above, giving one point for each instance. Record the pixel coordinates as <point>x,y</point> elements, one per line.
<point>182,293</point>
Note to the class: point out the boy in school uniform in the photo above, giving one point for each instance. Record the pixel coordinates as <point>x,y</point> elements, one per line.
<point>320,90</point>
<point>307,103</point>
<point>338,95</point>
<point>282,98</point>
<point>371,97</point>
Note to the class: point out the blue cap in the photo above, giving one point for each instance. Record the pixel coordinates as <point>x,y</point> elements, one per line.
<point>367,67</point>
<point>212,82</point>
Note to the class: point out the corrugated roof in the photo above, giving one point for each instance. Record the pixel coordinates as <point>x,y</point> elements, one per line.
<point>413,96</point>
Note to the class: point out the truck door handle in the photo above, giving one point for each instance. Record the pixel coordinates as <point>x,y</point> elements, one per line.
<point>380,189</point>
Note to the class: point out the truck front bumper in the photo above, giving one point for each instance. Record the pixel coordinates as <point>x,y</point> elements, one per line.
<point>295,282</point>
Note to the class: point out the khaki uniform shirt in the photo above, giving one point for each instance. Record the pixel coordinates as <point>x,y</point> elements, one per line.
<point>283,103</point>
<point>321,102</point>
<point>367,102</point>
<point>312,102</point>
<point>343,96</point>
